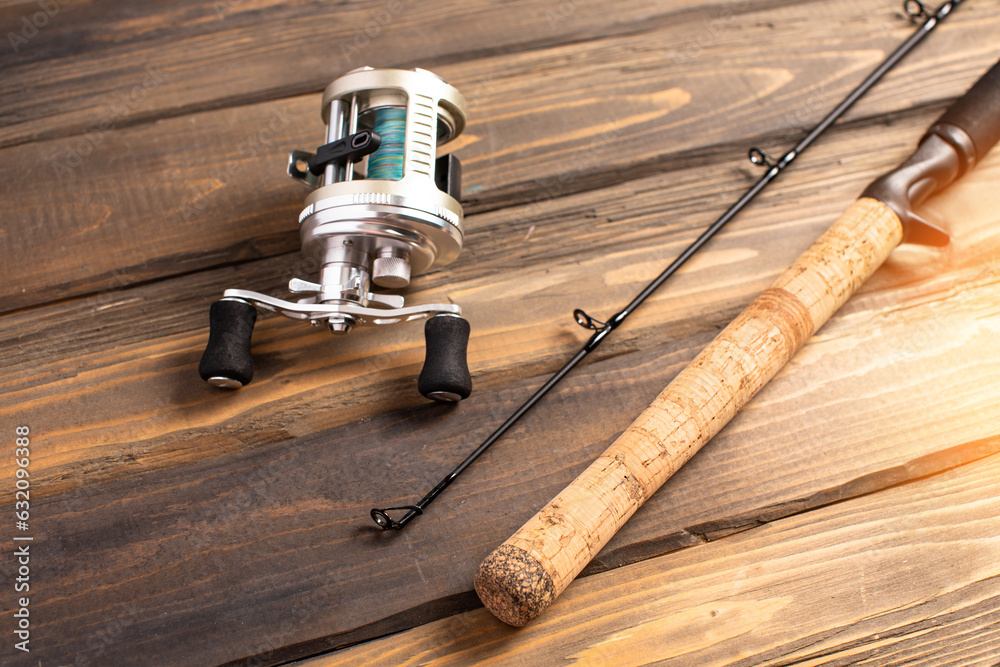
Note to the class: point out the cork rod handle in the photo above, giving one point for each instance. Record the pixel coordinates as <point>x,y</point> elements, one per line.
<point>525,574</point>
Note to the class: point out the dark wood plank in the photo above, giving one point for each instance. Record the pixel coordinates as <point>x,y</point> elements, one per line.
<point>205,528</point>
<point>281,527</point>
<point>208,189</point>
<point>70,66</point>
<point>906,576</point>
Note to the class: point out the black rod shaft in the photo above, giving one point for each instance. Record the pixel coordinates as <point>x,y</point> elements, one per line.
<point>932,20</point>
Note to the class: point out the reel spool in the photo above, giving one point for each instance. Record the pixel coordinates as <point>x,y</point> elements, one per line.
<point>384,208</point>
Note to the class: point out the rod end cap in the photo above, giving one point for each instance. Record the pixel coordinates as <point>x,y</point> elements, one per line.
<point>513,585</point>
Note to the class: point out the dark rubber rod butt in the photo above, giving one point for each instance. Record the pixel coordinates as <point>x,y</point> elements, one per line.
<point>978,112</point>
<point>445,375</point>
<point>513,585</point>
<point>227,361</point>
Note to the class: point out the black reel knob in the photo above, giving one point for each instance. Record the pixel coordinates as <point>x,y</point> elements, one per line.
<point>445,375</point>
<point>227,361</point>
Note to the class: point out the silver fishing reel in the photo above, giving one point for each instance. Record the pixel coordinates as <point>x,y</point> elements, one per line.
<point>384,208</point>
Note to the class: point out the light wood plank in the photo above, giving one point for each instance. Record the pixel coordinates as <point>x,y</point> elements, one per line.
<point>84,65</point>
<point>906,576</point>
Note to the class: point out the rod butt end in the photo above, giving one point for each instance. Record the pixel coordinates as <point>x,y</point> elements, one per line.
<point>513,585</point>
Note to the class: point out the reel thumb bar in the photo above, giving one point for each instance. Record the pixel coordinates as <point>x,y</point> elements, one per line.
<point>525,574</point>
<point>915,10</point>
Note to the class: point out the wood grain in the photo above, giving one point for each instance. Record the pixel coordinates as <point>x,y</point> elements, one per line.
<point>293,512</point>
<point>113,64</point>
<point>71,366</point>
<point>174,521</point>
<point>525,574</point>
<point>908,576</point>
<point>323,576</point>
<point>221,54</point>
<point>131,205</point>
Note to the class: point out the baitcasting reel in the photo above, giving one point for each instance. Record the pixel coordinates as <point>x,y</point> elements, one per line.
<point>384,208</point>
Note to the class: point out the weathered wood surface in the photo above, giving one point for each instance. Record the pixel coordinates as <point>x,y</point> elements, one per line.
<point>203,527</point>
<point>522,577</point>
<point>910,576</point>
<point>169,197</point>
<point>300,370</point>
<point>85,67</point>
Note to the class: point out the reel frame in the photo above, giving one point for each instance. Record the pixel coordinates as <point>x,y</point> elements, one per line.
<point>383,208</point>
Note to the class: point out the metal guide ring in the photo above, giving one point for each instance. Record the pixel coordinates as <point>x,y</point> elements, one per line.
<point>759,157</point>
<point>588,322</point>
<point>916,10</point>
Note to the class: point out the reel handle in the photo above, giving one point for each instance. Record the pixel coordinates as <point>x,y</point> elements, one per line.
<point>445,376</point>
<point>227,362</point>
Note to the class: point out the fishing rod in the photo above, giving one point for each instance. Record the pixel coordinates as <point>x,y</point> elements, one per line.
<point>525,574</point>
<point>916,11</point>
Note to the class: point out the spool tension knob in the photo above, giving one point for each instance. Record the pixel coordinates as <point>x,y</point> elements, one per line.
<point>390,271</point>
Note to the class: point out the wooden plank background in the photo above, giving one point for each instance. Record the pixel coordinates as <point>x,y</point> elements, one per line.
<point>848,514</point>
